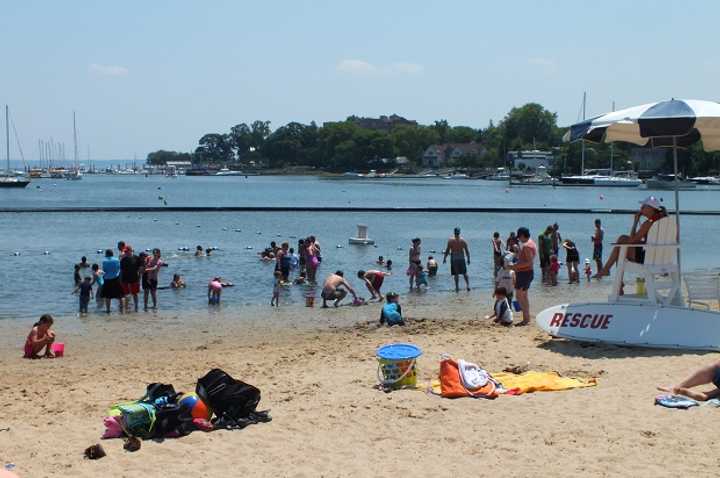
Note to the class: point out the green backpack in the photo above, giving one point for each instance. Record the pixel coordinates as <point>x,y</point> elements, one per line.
<point>137,419</point>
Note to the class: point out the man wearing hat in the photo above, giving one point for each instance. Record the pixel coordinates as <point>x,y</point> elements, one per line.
<point>457,248</point>
<point>652,210</point>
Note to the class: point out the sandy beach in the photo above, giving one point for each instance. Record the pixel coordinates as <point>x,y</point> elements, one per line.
<point>317,378</point>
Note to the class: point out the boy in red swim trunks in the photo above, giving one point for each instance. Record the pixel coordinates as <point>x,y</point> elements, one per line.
<point>373,281</point>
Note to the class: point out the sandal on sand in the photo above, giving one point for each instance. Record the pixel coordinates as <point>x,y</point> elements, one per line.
<point>522,324</point>
<point>95,452</point>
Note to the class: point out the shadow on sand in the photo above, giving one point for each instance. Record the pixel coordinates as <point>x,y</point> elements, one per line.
<point>591,350</point>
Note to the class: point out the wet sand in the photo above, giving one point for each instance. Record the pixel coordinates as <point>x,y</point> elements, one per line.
<point>316,369</point>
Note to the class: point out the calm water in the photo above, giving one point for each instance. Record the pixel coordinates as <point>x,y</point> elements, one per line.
<point>34,283</point>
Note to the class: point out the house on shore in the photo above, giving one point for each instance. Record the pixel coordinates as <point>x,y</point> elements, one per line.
<point>441,155</point>
<point>530,159</point>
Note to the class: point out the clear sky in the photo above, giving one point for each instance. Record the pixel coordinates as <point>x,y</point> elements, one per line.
<point>145,75</point>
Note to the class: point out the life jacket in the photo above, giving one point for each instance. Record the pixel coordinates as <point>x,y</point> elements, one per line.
<point>451,384</point>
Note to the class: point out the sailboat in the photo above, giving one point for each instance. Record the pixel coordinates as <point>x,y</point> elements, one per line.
<point>74,173</point>
<point>10,179</point>
<point>599,177</point>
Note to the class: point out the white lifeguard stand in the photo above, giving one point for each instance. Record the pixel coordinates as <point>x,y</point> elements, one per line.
<point>660,268</point>
<point>362,238</point>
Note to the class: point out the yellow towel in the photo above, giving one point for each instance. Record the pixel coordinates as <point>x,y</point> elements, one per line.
<point>533,381</point>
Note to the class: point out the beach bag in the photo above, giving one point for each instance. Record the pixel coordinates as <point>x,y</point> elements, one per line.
<point>157,391</point>
<point>233,401</point>
<point>172,421</point>
<point>451,384</point>
<point>136,419</point>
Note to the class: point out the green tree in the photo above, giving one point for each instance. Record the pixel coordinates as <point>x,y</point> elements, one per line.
<point>461,134</point>
<point>412,141</point>
<point>214,148</point>
<point>259,131</point>
<point>442,128</point>
<point>529,125</point>
<point>161,157</point>
<point>240,139</point>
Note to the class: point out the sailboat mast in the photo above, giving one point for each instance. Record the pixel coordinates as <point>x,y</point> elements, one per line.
<point>75,154</point>
<point>612,150</point>
<point>582,151</point>
<point>7,136</point>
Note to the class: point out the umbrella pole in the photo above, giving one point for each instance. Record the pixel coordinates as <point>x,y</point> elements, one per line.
<point>677,205</point>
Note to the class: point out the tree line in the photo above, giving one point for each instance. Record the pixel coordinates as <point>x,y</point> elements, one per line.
<point>346,146</point>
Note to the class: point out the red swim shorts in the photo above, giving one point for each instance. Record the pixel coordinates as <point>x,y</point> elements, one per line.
<point>130,288</point>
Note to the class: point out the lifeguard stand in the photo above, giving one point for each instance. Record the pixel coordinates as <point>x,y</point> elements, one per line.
<point>660,268</point>
<point>362,238</point>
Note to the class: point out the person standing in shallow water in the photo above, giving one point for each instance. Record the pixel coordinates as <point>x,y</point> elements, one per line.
<point>524,273</point>
<point>497,246</point>
<point>458,250</point>
<point>597,241</point>
<point>414,261</point>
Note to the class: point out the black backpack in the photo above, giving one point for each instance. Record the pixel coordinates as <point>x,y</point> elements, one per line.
<point>234,402</point>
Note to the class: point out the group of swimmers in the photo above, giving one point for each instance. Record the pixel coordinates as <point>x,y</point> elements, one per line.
<point>119,279</point>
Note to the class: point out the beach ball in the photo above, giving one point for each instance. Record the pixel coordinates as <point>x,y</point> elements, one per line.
<point>196,407</point>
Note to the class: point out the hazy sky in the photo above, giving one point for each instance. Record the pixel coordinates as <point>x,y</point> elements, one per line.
<point>145,75</point>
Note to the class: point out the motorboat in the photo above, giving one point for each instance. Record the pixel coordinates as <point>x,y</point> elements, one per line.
<point>229,172</point>
<point>501,174</point>
<point>666,182</point>
<point>706,180</point>
<point>602,178</point>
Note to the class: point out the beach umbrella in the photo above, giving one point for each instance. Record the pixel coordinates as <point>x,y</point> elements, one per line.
<point>672,123</point>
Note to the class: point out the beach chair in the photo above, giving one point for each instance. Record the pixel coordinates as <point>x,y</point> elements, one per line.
<point>660,269</point>
<point>703,286</point>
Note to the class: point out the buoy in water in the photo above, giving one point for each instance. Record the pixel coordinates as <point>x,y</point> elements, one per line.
<point>339,246</point>
<point>248,247</point>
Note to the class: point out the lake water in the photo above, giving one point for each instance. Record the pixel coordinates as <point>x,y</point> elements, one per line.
<point>34,283</point>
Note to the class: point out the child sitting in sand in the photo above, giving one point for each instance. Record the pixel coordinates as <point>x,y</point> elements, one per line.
<point>40,337</point>
<point>554,270</point>
<point>177,282</point>
<point>275,301</point>
<point>432,266</point>
<point>502,313</point>
<point>391,311</point>
<point>215,291</point>
<point>85,290</point>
